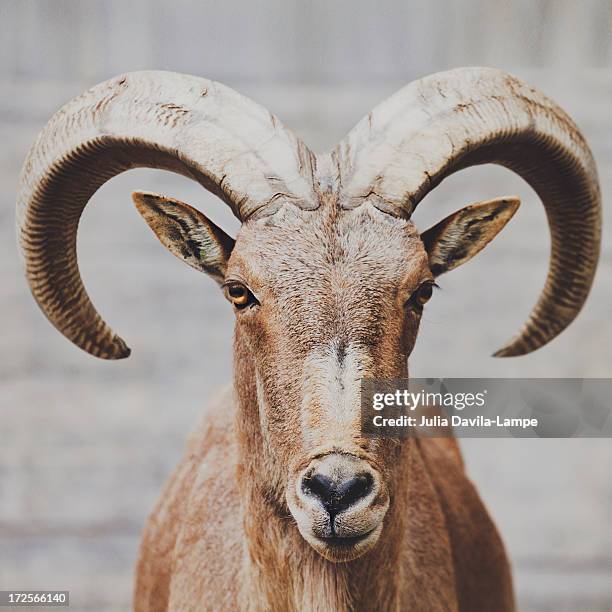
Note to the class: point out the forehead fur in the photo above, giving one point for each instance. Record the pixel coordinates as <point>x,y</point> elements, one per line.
<point>329,249</point>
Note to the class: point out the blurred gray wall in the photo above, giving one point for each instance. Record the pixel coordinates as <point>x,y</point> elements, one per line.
<point>309,42</point>
<point>86,445</point>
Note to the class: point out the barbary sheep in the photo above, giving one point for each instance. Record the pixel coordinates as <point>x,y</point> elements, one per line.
<point>280,502</point>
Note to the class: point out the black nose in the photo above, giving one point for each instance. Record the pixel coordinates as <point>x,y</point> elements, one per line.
<point>337,496</point>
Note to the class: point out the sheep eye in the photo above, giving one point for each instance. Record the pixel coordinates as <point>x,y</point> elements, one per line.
<point>239,295</point>
<point>421,296</point>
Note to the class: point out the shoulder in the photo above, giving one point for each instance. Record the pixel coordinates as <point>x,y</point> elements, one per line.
<point>215,425</point>
<point>481,566</point>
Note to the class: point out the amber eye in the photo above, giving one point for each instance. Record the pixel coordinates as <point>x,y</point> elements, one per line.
<point>421,296</point>
<point>239,295</point>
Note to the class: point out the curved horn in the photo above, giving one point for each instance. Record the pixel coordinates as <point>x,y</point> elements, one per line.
<point>452,120</point>
<point>192,126</point>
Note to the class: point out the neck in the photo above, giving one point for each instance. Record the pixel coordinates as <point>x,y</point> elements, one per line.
<point>281,571</point>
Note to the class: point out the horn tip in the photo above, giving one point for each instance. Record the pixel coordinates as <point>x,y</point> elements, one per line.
<point>116,350</point>
<point>123,351</point>
<point>511,349</point>
<point>125,354</point>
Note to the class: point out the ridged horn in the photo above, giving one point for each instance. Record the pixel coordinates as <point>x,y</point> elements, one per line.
<point>452,120</point>
<point>192,126</point>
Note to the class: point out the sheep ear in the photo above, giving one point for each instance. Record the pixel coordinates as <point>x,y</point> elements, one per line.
<point>186,233</point>
<point>461,235</point>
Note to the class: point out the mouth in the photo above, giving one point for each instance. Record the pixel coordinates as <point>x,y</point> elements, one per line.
<point>337,548</point>
<point>346,542</point>
<point>342,549</point>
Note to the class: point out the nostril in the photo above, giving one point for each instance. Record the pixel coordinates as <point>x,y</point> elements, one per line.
<point>354,489</point>
<point>320,486</point>
<point>338,496</point>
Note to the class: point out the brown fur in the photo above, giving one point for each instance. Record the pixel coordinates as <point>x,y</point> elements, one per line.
<point>440,550</point>
<point>229,532</point>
